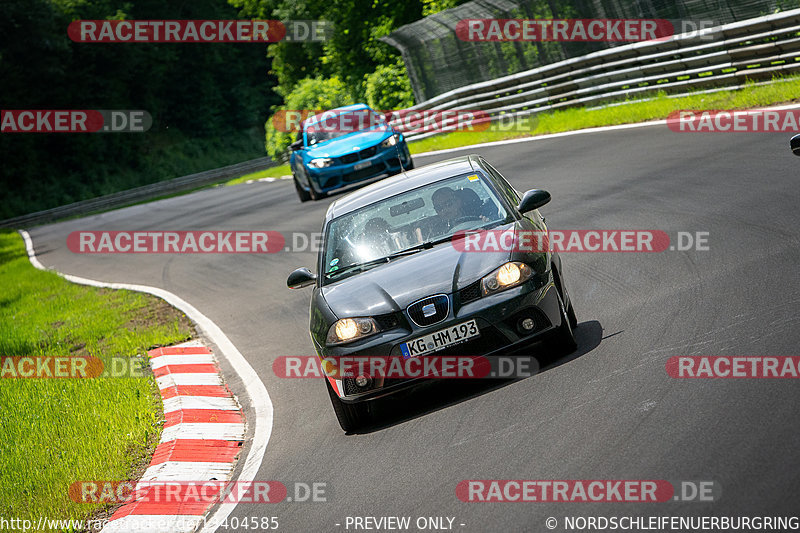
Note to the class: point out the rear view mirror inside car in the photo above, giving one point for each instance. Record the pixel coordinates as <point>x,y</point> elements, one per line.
<point>406,207</point>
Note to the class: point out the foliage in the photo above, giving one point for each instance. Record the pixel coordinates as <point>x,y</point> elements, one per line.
<point>352,50</point>
<point>388,88</point>
<point>204,99</point>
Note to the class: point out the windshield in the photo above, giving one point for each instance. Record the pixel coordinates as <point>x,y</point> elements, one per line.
<point>427,214</point>
<point>331,125</point>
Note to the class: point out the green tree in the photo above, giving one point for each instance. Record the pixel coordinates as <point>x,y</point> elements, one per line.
<point>388,88</point>
<point>353,49</point>
<point>199,95</point>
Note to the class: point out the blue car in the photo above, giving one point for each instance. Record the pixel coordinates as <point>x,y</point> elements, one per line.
<point>343,147</point>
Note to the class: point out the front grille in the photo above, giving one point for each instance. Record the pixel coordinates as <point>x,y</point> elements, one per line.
<point>349,158</point>
<point>368,152</point>
<point>360,174</point>
<point>437,313</point>
<point>470,293</point>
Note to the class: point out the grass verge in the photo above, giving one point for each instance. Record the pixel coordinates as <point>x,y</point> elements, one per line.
<point>750,96</point>
<point>58,431</point>
<point>659,107</point>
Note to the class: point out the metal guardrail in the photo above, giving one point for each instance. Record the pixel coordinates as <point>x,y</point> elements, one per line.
<point>725,56</point>
<point>753,49</point>
<point>146,192</point>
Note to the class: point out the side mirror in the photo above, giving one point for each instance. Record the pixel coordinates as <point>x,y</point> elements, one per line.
<point>533,199</point>
<point>795,144</point>
<point>297,145</point>
<point>302,277</point>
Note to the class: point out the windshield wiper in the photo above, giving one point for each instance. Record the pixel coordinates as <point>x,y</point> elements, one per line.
<point>373,262</point>
<point>427,245</point>
<point>357,266</point>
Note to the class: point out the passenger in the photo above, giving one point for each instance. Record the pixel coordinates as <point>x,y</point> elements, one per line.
<point>376,235</point>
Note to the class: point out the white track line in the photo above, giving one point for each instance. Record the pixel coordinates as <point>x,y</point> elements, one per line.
<point>261,402</point>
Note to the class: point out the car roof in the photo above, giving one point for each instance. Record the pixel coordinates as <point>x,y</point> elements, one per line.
<point>405,181</point>
<point>332,113</point>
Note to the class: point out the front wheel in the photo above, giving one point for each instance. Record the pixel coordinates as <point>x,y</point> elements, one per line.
<point>314,194</point>
<point>301,192</point>
<point>573,320</point>
<point>563,341</point>
<point>351,416</point>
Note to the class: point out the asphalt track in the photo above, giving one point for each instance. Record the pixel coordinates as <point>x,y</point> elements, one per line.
<point>609,411</point>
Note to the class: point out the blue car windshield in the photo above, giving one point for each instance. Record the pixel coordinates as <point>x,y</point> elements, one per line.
<point>331,125</point>
<point>426,214</point>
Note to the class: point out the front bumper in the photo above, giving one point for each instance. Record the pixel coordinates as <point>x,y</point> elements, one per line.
<point>497,317</point>
<point>385,162</point>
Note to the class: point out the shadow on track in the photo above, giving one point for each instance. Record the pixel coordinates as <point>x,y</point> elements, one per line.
<point>434,395</point>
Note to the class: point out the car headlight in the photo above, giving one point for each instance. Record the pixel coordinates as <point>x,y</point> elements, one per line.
<point>320,162</point>
<point>391,141</point>
<point>349,329</point>
<point>509,275</point>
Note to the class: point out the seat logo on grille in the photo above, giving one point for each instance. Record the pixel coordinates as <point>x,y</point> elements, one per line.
<point>428,310</point>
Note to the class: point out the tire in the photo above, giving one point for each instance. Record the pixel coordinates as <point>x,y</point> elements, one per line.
<point>301,193</point>
<point>573,320</point>
<point>314,194</point>
<point>563,340</point>
<point>350,416</point>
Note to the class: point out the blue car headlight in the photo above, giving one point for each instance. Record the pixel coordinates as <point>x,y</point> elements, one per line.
<point>391,141</point>
<point>320,162</point>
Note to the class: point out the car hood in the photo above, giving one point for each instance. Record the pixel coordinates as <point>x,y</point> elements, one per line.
<point>393,286</point>
<point>348,144</point>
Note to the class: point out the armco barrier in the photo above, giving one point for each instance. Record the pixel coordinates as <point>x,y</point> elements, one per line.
<point>725,56</point>
<point>753,49</point>
<point>147,192</point>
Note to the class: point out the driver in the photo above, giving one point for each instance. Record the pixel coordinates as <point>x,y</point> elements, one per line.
<point>449,208</point>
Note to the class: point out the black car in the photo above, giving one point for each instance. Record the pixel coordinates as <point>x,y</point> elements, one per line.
<point>390,273</point>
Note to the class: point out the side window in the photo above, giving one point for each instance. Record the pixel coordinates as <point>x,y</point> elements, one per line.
<point>507,190</point>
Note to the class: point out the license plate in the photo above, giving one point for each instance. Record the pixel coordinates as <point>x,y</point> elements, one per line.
<point>439,340</point>
<point>363,164</point>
